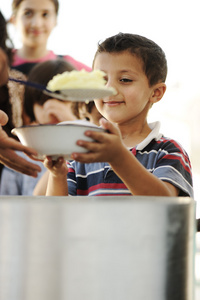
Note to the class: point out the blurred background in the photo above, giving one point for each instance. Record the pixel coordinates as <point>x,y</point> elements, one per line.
<point>174,25</point>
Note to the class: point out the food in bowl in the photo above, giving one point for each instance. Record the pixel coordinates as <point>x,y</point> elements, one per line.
<point>78,80</point>
<point>79,86</point>
<point>55,140</point>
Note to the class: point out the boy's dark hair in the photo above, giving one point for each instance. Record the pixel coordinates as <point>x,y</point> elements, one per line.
<point>42,73</point>
<point>152,56</point>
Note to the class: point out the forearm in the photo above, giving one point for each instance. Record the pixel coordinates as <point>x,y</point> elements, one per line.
<point>138,179</point>
<point>57,186</point>
<point>41,186</point>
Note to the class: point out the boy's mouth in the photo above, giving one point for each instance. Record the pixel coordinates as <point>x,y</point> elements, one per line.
<point>112,103</point>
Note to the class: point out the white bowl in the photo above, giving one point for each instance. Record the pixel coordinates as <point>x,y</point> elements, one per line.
<point>54,140</point>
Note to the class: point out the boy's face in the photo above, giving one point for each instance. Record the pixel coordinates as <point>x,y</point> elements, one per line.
<point>124,72</point>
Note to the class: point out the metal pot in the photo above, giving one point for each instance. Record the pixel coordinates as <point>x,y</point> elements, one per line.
<point>96,248</point>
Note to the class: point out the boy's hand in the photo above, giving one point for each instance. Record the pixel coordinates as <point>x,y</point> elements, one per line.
<point>58,168</point>
<point>106,145</point>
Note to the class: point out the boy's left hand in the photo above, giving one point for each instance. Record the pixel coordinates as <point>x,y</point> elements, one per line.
<point>57,167</point>
<point>105,147</point>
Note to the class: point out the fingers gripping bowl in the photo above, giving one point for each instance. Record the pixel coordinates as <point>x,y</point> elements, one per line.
<point>55,140</point>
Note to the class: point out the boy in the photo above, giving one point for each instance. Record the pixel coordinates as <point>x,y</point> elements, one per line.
<point>131,157</point>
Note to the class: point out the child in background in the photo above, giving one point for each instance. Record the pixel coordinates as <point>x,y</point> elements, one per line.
<point>41,108</point>
<point>132,157</point>
<point>38,108</point>
<point>35,20</point>
<point>87,111</point>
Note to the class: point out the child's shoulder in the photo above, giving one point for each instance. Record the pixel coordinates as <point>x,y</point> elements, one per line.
<point>169,143</point>
<point>157,141</point>
<point>168,148</point>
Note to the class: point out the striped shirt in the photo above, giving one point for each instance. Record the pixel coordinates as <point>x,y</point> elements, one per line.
<point>161,156</point>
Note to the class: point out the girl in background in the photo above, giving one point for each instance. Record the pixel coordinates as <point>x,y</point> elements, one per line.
<point>35,20</point>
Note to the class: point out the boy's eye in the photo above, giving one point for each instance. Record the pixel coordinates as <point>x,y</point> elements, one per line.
<point>126,80</point>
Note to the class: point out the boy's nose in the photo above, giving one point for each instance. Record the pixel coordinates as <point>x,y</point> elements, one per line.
<point>110,83</point>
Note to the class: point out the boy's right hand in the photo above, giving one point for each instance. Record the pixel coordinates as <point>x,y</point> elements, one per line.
<point>105,146</point>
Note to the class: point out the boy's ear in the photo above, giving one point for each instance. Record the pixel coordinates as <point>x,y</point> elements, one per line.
<point>158,92</point>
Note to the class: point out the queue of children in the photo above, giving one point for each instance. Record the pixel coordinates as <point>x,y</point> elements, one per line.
<point>35,21</point>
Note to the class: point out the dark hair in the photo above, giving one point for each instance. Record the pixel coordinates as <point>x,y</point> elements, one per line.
<point>76,106</point>
<point>16,4</point>
<point>5,39</point>
<point>152,56</point>
<point>42,73</point>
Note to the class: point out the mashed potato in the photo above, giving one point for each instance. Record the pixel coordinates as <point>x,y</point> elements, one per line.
<point>78,80</point>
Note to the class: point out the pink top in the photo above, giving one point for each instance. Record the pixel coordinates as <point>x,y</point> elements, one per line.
<point>17,60</point>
